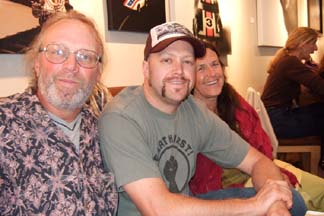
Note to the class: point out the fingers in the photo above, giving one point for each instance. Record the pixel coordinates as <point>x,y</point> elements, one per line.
<point>273,191</point>
<point>278,208</point>
<point>282,190</point>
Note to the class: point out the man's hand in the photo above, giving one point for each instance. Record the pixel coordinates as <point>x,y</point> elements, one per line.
<point>274,197</point>
<point>278,209</point>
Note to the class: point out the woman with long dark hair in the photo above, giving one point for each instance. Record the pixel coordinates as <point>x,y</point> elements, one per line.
<point>220,97</point>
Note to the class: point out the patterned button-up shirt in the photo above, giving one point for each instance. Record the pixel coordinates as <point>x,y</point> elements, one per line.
<point>41,172</point>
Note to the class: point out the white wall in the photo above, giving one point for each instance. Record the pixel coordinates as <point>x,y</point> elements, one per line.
<point>247,63</point>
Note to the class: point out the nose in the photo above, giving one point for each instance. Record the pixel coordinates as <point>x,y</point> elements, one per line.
<point>178,67</point>
<point>71,63</point>
<point>211,72</point>
<point>315,47</point>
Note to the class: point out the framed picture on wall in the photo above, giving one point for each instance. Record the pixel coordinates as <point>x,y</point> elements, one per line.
<point>28,17</point>
<point>207,25</point>
<point>315,13</point>
<point>271,28</point>
<point>135,15</point>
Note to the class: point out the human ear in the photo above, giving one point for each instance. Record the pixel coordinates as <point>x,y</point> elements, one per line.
<point>36,66</point>
<point>145,67</point>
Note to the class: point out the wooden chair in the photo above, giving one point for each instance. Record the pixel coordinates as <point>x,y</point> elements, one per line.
<point>309,146</point>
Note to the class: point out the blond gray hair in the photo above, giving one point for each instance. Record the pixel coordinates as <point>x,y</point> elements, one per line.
<point>296,39</point>
<point>33,49</point>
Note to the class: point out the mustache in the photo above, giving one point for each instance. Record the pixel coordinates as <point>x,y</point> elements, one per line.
<point>170,79</point>
<point>69,77</point>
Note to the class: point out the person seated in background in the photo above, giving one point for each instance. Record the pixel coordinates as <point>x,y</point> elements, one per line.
<point>212,88</point>
<point>287,72</point>
<point>50,161</point>
<point>151,135</point>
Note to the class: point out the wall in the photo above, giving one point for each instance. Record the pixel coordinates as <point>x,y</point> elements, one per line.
<point>247,63</point>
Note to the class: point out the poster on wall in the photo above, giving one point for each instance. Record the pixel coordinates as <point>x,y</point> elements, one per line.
<point>135,15</point>
<point>29,15</point>
<point>274,20</point>
<point>207,25</point>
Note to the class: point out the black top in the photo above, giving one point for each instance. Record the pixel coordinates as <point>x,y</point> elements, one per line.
<point>284,80</point>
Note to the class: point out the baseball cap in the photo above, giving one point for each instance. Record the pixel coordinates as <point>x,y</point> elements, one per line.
<point>163,35</point>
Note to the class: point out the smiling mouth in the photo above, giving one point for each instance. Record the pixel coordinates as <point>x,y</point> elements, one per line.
<point>68,83</point>
<point>177,84</point>
<point>176,81</point>
<point>212,82</point>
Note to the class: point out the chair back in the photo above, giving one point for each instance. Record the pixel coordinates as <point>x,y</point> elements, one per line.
<point>254,99</point>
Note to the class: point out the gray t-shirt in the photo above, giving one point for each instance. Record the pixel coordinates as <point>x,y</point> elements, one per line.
<point>139,141</point>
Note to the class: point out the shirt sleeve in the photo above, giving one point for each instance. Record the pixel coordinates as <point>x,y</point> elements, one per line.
<point>297,71</point>
<point>124,150</point>
<point>221,144</point>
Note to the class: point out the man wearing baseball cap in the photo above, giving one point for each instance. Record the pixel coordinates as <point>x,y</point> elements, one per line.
<point>151,134</point>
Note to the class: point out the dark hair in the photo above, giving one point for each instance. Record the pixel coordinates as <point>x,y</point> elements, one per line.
<point>228,100</point>
<point>227,103</point>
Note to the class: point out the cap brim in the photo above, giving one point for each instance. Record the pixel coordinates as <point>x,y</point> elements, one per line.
<point>199,47</point>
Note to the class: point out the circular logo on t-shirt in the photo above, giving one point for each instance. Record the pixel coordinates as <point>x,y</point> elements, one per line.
<point>175,168</point>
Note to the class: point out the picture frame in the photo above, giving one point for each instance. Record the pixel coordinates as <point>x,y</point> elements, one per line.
<point>29,16</point>
<point>270,19</point>
<point>207,25</point>
<point>135,15</point>
<point>315,14</point>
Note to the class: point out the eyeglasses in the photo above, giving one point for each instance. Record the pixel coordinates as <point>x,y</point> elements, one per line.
<point>58,53</point>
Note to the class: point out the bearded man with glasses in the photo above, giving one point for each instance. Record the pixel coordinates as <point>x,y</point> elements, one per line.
<point>50,161</point>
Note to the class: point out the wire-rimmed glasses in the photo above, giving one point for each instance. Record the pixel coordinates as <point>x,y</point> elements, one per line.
<point>58,53</point>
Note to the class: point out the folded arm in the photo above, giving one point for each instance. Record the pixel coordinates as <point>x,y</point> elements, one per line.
<point>152,197</point>
<point>262,171</point>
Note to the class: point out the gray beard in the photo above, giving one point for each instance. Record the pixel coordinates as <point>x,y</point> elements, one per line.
<point>67,101</point>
